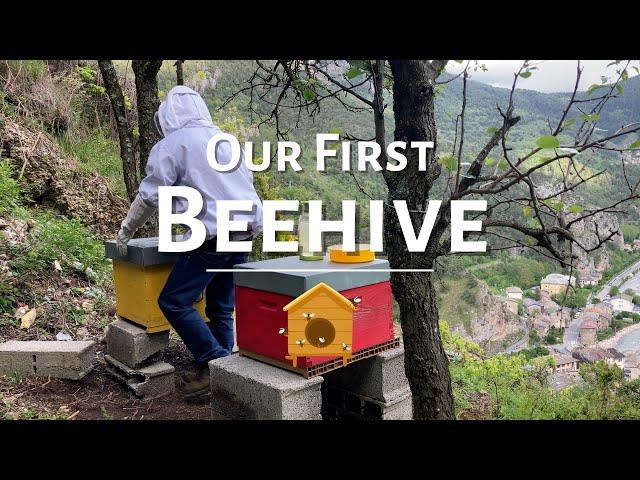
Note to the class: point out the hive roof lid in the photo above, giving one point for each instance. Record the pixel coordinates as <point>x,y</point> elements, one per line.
<point>337,296</point>
<point>292,276</point>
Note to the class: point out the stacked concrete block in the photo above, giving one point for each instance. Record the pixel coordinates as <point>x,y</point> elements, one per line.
<point>373,388</point>
<point>243,388</point>
<point>71,360</point>
<point>130,358</point>
<point>131,344</point>
<point>153,381</point>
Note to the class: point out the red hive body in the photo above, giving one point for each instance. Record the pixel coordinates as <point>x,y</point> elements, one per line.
<point>261,296</point>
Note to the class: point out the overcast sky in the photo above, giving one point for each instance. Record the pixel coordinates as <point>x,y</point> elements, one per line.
<point>551,76</point>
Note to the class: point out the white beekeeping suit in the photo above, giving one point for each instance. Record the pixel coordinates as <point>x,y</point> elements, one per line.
<point>180,158</point>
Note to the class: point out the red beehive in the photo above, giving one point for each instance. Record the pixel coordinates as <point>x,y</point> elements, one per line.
<point>262,293</point>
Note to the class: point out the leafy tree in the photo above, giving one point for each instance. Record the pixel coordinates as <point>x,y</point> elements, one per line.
<point>604,378</point>
<point>136,140</point>
<point>613,291</point>
<point>576,298</point>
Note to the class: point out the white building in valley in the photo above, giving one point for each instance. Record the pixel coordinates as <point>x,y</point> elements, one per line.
<point>622,303</point>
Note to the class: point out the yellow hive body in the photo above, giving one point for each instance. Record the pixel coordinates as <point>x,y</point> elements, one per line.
<point>137,290</point>
<point>320,323</point>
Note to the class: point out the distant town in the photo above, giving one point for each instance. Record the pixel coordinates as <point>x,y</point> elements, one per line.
<point>601,324</point>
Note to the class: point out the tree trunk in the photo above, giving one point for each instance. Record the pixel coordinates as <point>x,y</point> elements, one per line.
<point>426,364</point>
<point>146,72</point>
<point>179,72</point>
<point>127,151</point>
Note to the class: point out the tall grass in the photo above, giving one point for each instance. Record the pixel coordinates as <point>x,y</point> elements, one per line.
<point>97,152</point>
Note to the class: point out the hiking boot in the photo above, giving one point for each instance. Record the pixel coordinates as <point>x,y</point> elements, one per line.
<point>195,384</point>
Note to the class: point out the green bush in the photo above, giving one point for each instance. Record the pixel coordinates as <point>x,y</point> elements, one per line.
<point>9,189</point>
<point>59,238</point>
<point>630,232</point>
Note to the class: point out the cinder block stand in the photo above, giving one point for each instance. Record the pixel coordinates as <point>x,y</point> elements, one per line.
<point>374,388</point>
<point>243,388</point>
<point>131,359</point>
<point>71,360</point>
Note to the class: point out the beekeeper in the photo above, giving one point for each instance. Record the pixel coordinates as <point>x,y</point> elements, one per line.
<point>179,158</point>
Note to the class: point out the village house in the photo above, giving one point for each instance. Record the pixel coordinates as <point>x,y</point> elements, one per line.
<point>594,318</point>
<point>596,354</point>
<point>541,323</point>
<point>559,316</point>
<point>622,303</point>
<point>602,313</point>
<point>632,366</point>
<point>511,304</point>
<point>565,363</point>
<point>514,292</point>
<point>588,332</point>
<point>531,306</point>
<point>590,279</point>
<point>556,283</point>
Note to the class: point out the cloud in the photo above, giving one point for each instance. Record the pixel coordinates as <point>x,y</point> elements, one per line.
<point>551,76</point>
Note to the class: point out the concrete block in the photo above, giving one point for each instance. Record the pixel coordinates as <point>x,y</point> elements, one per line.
<point>341,404</point>
<point>153,381</point>
<point>131,344</point>
<point>243,388</point>
<point>71,360</point>
<point>399,408</point>
<point>380,377</point>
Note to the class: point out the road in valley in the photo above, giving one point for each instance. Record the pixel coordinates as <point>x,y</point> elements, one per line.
<point>570,339</point>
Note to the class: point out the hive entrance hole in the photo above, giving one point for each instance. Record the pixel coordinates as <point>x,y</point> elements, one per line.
<point>317,329</point>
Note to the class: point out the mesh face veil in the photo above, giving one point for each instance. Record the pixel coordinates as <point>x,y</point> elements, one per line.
<point>156,122</point>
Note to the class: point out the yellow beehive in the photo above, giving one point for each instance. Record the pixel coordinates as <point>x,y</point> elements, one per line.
<point>320,323</point>
<point>137,289</point>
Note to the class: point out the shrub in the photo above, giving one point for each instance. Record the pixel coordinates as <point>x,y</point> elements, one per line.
<point>58,238</point>
<point>9,189</point>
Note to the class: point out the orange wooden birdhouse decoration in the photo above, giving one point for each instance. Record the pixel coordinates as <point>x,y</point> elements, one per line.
<point>320,323</point>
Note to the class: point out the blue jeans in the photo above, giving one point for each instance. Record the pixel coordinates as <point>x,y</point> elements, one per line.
<point>187,281</point>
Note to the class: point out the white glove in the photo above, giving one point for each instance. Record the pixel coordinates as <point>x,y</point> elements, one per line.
<point>121,242</point>
<point>139,212</point>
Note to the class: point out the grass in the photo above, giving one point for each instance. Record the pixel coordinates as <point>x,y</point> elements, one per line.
<point>9,189</point>
<point>96,152</point>
<point>62,239</point>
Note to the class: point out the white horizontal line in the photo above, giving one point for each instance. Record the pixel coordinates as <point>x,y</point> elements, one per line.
<point>321,270</point>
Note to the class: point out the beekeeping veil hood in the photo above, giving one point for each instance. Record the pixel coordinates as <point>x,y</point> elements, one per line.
<point>182,108</point>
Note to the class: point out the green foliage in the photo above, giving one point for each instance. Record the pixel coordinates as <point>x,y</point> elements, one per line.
<point>88,76</point>
<point>629,232</point>
<point>9,189</point>
<point>8,300</point>
<point>98,152</point>
<point>548,141</point>
<point>576,298</point>
<point>522,271</point>
<point>59,238</point>
<point>553,336</point>
<point>618,261</point>
<point>533,352</point>
<point>614,291</point>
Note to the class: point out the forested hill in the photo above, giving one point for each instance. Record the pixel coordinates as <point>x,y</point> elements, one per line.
<point>218,80</point>
<point>534,107</point>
